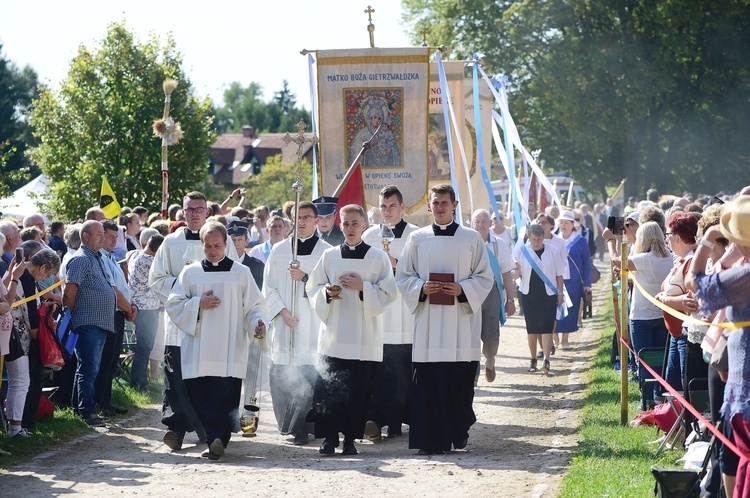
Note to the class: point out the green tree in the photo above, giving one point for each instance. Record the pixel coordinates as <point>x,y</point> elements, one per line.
<point>655,91</point>
<point>244,106</point>
<point>273,186</point>
<point>100,123</point>
<point>18,87</point>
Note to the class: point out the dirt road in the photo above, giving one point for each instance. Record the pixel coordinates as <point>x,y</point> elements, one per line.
<point>524,436</point>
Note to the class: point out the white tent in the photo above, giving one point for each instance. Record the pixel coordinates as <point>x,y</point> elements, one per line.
<point>27,199</point>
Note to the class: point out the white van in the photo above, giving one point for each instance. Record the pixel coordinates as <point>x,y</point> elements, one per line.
<point>561,182</point>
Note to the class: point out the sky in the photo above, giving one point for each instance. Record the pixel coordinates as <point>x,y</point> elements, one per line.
<point>222,41</point>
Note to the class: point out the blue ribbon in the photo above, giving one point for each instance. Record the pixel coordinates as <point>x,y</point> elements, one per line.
<point>502,80</point>
<point>499,280</point>
<point>444,94</point>
<point>561,310</point>
<point>478,132</point>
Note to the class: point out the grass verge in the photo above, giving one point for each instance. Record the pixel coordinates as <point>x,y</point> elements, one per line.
<point>612,460</point>
<point>65,425</point>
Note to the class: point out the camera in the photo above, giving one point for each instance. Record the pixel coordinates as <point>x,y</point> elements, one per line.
<point>616,224</point>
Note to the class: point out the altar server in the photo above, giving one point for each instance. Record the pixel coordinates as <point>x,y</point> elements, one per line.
<point>350,288</point>
<point>444,275</point>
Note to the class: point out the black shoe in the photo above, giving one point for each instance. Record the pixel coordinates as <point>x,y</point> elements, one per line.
<point>329,445</point>
<point>428,452</point>
<point>172,440</point>
<point>301,439</point>
<point>461,444</point>
<point>545,367</point>
<point>540,355</point>
<point>552,351</point>
<point>94,420</point>
<point>349,448</point>
<point>215,449</point>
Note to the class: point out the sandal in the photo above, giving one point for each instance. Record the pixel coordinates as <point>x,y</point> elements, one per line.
<point>532,367</point>
<point>545,367</point>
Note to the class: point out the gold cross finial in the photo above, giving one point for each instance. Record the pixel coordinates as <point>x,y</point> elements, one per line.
<point>424,37</point>
<point>371,26</point>
<point>300,140</point>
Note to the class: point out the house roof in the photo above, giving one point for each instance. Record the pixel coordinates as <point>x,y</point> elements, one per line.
<point>230,149</point>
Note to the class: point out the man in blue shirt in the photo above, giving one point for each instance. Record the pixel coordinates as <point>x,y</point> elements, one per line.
<point>92,301</point>
<point>125,311</point>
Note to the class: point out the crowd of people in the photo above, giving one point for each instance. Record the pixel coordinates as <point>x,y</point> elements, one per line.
<point>362,335</point>
<point>692,255</point>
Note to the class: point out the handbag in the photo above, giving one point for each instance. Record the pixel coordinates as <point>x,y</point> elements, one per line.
<point>595,273</point>
<point>49,350</point>
<point>66,336</point>
<point>15,346</point>
<point>720,354</point>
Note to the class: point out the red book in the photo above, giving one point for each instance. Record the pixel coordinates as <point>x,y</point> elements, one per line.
<point>441,297</point>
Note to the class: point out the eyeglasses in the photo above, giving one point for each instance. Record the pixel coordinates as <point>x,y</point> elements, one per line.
<point>306,218</point>
<point>198,210</point>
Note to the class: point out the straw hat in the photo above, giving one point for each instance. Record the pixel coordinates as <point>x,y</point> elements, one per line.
<point>735,222</point>
<point>567,215</point>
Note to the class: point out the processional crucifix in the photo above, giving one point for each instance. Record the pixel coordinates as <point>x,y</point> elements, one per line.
<point>297,187</point>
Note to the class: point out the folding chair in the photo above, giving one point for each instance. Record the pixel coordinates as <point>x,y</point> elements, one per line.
<point>698,397</point>
<point>654,358</point>
<point>126,355</point>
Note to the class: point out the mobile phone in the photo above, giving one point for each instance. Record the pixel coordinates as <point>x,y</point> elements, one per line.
<point>616,224</point>
<point>19,255</point>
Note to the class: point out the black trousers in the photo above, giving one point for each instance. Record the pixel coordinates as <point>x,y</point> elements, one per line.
<point>341,397</point>
<point>177,412</point>
<point>441,409</point>
<point>216,401</point>
<point>110,362</point>
<point>36,379</point>
<point>391,393</point>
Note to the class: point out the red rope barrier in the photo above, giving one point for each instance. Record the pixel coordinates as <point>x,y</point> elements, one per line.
<point>687,405</point>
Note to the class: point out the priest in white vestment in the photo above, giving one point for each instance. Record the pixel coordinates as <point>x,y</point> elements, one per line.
<point>444,263</point>
<point>178,250</point>
<point>294,338</point>
<point>350,288</point>
<point>218,306</point>
<point>390,404</point>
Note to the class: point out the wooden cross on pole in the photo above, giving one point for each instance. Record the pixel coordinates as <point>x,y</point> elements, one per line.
<point>371,26</point>
<point>300,140</point>
<point>424,37</point>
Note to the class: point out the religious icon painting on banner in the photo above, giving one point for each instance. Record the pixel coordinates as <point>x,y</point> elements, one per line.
<point>437,146</point>
<point>367,109</point>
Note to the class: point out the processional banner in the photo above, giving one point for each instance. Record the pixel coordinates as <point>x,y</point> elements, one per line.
<point>361,89</point>
<point>462,96</point>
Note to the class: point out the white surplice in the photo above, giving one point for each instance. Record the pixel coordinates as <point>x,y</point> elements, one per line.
<point>352,328</point>
<point>398,321</point>
<point>174,254</point>
<point>445,333</point>
<point>277,289</point>
<point>216,341</point>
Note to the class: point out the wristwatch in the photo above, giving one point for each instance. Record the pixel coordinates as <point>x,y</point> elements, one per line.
<point>305,278</point>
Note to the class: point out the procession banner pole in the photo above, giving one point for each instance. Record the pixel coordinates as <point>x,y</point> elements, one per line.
<point>297,187</point>
<point>624,364</point>
<point>170,134</point>
<point>365,146</point>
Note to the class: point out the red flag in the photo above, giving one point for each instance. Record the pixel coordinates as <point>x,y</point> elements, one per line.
<point>352,193</point>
